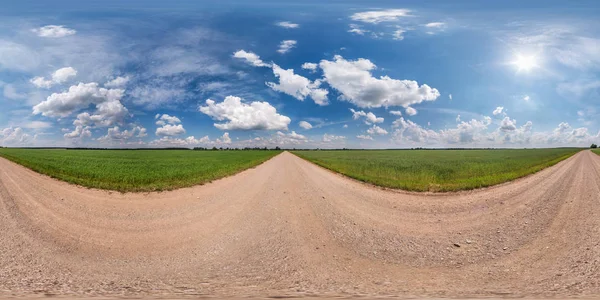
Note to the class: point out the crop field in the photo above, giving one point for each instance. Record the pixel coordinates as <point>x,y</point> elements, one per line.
<point>136,170</point>
<point>437,170</point>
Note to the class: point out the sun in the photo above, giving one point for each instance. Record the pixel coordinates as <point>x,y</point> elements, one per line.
<point>525,63</point>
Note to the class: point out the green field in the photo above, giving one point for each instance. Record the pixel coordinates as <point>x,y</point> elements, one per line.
<point>136,170</point>
<point>436,170</point>
<point>597,151</point>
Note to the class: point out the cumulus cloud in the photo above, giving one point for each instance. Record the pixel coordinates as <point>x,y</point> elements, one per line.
<point>116,134</point>
<point>395,112</point>
<point>376,130</point>
<point>310,66</point>
<point>286,46</point>
<point>109,109</point>
<point>354,81</point>
<point>329,138</point>
<point>224,139</point>
<point>399,34</point>
<point>435,25</point>
<point>251,58</point>
<point>54,31</point>
<point>450,97</point>
<point>190,141</point>
<point>498,110</point>
<point>410,111</point>
<point>305,125</point>
<point>118,82</point>
<point>369,117</point>
<point>507,124</point>
<point>241,116</point>
<point>356,29</point>
<point>79,132</point>
<point>58,77</point>
<point>286,24</point>
<point>298,86</point>
<point>378,16</point>
<point>365,137</point>
<point>166,119</point>
<point>14,136</point>
<point>170,130</point>
<point>170,125</point>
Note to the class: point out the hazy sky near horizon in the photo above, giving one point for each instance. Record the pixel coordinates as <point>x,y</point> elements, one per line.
<point>305,74</point>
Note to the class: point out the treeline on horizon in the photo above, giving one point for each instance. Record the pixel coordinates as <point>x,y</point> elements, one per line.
<point>277,148</point>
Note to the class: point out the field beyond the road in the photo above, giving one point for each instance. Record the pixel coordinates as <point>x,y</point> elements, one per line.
<point>136,170</point>
<point>437,170</point>
<point>597,151</point>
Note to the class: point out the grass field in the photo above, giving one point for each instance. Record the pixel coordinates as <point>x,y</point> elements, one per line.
<point>597,151</point>
<point>436,170</point>
<point>136,170</point>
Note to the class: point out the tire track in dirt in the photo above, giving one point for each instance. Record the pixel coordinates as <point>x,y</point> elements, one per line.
<point>289,227</point>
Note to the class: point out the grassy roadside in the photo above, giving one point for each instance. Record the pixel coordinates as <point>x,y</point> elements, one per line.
<point>597,151</point>
<point>136,170</point>
<point>437,170</point>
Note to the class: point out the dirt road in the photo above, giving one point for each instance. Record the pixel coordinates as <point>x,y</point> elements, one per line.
<point>288,227</point>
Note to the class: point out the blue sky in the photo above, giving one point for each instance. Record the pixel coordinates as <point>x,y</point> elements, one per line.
<point>358,74</point>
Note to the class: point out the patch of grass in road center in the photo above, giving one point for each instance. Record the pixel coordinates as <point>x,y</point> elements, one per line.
<point>136,170</point>
<point>437,170</point>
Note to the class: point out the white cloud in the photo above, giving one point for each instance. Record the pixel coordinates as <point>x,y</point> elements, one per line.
<point>369,117</point>
<point>410,111</point>
<point>376,130</point>
<point>109,109</point>
<point>526,98</point>
<point>328,138</point>
<point>450,97</point>
<point>241,116</point>
<point>54,31</point>
<point>435,25</point>
<point>310,66</point>
<point>170,125</point>
<point>250,58</point>
<point>166,119</point>
<point>395,112</point>
<point>507,124</point>
<point>356,29</point>
<point>225,139</point>
<point>14,136</point>
<point>345,126</point>
<point>118,82</point>
<point>115,134</point>
<point>58,77</point>
<point>398,34</point>
<point>354,81</point>
<point>365,137</point>
<point>305,125</point>
<point>458,119</point>
<point>498,110</point>
<point>79,132</point>
<point>286,46</point>
<point>286,24</point>
<point>379,16</point>
<point>170,130</point>
<point>298,86</point>
<point>190,141</point>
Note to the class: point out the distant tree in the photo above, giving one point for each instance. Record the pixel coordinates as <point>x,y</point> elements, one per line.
<point>594,146</point>
<point>214,148</point>
<point>277,148</point>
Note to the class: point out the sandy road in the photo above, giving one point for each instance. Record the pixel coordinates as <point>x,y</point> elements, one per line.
<point>288,227</point>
